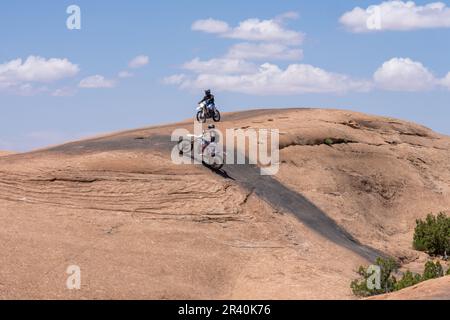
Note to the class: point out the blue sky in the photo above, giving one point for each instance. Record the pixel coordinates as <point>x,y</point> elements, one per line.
<point>332,63</point>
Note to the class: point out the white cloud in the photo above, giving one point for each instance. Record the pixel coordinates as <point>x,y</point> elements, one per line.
<point>211,26</point>
<point>271,30</point>
<point>270,40</point>
<point>271,79</point>
<point>125,74</point>
<point>397,15</point>
<point>96,81</point>
<point>139,62</point>
<point>262,51</point>
<point>234,72</point>
<point>446,81</point>
<point>17,75</point>
<point>176,79</point>
<point>265,30</point>
<point>220,66</point>
<point>404,74</point>
<point>287,15</point>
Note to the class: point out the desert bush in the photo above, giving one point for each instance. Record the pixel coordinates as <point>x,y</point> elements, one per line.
<point>389,283</point>
<point>409,279</point>
<point>387,280</point>
<point>432,271</point>
<point>332,141</point>
<point>433,235</point>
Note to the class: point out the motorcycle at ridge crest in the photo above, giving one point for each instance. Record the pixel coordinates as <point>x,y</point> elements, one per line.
<point>204,113</point>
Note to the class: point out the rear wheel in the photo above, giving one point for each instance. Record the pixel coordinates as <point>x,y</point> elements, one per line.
<point>216,116</point>
<point>201,116</point>
<point>184,146</point>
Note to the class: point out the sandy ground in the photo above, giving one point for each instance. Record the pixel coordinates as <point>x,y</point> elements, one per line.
<point>141,227</point>
<point>438,289</point>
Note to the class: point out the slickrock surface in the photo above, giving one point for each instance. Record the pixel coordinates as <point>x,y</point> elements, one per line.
<point>141,227</point>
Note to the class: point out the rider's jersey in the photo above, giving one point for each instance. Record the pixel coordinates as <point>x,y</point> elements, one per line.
<point>208,99</point>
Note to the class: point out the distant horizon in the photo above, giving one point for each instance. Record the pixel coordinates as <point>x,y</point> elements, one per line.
<point>155,125</point>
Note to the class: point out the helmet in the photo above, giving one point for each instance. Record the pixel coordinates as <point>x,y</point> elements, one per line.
<point>211,126</point>
<point>208,92</point>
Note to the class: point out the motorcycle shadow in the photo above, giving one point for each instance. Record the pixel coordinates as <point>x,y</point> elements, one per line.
<point>221,172</point>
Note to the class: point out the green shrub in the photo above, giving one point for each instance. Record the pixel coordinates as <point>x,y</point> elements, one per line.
<point>387,281</point>
<point>433,235</point>
<point>409,279</point>
<point>329,141</point>
<point>432,271</point>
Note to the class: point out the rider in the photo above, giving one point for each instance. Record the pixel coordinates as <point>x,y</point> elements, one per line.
<point>212,133</point>
<point>210,137</point>
<point>209,100</point>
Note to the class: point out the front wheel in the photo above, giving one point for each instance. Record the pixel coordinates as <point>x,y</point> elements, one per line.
<point>201,116</point>
<point>216,116</point>
<point>217,163</point>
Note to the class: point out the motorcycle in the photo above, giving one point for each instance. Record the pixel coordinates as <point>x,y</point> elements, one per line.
<point>210,154</point>
<point>204,113</point>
